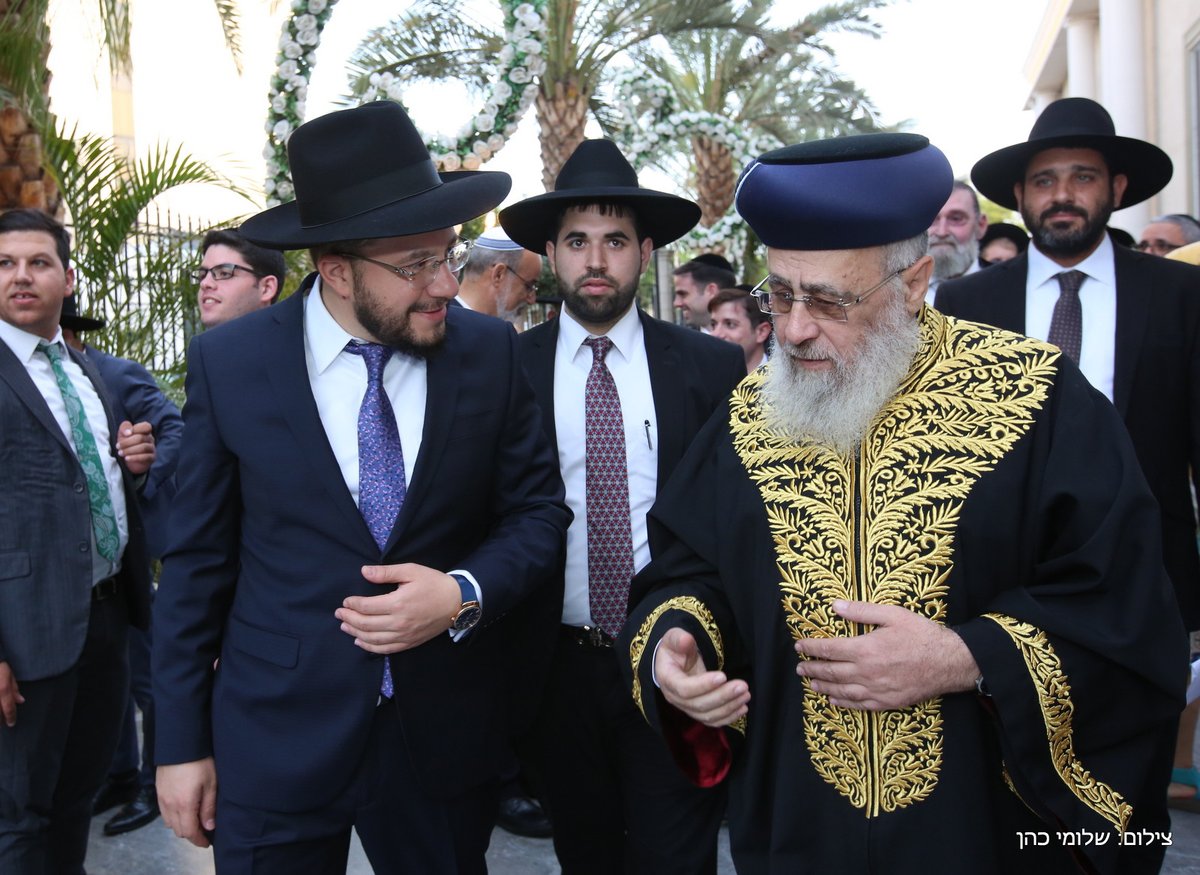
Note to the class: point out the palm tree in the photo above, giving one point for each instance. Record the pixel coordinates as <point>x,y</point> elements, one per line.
<point>25,119</point>
<point>436,39</point>
<point>761,81</point>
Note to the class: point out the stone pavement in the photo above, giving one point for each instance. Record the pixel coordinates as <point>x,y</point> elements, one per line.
<point>153,850</point>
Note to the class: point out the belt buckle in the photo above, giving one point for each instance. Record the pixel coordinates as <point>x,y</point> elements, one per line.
<point>105,589</point>
<point>597,637</point>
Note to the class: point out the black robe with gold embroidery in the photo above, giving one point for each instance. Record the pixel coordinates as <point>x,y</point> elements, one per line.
<point>996,493</point>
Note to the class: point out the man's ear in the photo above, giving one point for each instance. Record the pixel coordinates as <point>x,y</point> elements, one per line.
<point>647,247</point>
<point>268,289</point>
<point>336,274</point>
<point>1119,183</point>
<point>761,332</point>
<point>1019,193</point>
<point>916,283</point>
<point>496,274</point>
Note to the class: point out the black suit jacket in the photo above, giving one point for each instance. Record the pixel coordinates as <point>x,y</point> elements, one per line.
<point>266,542</point>
<point>46,530</point>
<point>1156,381</point>
<point>691,374</point>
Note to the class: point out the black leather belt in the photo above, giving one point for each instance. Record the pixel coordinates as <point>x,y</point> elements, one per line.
<point>105,589</point>
<point>588,636</point>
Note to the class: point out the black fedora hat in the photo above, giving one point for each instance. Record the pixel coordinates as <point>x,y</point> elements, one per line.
<point>1005,231</point>
<point>365,173</point>
<point>70,318</point>
<point>597,172</point>
<point>1078,123</point>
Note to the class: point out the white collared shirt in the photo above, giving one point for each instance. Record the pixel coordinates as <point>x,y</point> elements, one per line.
<point>339,382</point>
<point>1098,298</point>
<point>24,347</point>
<point>631,372</point>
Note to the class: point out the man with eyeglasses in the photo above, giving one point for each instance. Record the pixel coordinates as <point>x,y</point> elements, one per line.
<point>364,493</point>
<point>235,277</point>
<point>500,278</point>
<point>1167,233</point>
<point>954,237</point>
<point>907,585</point>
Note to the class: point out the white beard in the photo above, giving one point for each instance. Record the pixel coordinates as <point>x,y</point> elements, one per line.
<point>834,407</point>
<point>948,264</point>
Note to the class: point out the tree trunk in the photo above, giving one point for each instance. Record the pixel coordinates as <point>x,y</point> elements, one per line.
<point>715,179</point>
<point>24,181</point>
<point>561,119</point>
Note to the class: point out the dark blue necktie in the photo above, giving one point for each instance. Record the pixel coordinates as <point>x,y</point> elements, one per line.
<point>381,485</point>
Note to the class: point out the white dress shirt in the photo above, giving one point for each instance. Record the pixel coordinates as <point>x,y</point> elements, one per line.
<point>37,365</point>
<point>631,372</point>
<point>1098,299</point>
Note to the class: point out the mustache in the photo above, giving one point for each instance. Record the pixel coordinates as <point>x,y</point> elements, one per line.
<point>594,275</point>
<point>1063,208</point>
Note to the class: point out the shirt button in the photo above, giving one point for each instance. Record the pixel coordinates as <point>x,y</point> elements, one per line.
<point>83,546</point>
<point>79,487</point>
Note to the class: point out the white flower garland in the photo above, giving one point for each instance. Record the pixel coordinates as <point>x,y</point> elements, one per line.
<point>521,58</point>
<point>650,122</point>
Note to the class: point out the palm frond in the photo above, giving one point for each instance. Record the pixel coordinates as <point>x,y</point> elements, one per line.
<point>231,26</point>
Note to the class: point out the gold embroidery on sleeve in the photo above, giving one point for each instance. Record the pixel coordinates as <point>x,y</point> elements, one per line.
<point>689,605</point>
<point>879,526</point>
<point>1054,696</point>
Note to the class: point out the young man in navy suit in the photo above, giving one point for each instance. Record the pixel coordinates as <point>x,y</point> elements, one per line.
<point>616,800</point>
<point>364,490</point>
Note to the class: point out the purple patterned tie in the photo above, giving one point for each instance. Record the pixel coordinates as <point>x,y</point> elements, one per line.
<point>381,486</point>
<point>1066,325</point>
<point>610,544</point>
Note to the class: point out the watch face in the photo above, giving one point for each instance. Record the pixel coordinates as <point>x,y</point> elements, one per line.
<point>467,617</point>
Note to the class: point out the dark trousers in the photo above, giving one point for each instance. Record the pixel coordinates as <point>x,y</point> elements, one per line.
<point>141,698</point>
<point>617,801</point>
<point>403,830</point>
<point>56,757</point>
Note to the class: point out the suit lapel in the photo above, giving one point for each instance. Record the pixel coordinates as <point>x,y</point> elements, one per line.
<point>1134,293</point>
<point>14,373</point>
<point>539,356</point>
<point>283,348</point>
<point>665,373</point>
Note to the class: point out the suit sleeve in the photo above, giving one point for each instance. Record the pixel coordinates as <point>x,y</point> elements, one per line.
<point>199,575</point>
<point>144,401</point>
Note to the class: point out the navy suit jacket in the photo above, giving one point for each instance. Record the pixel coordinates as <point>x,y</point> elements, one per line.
<point>137,397</point>
<point>691,374</point>
<point>266,542</point>
<point>46,531</point>
<point>1156,381</point>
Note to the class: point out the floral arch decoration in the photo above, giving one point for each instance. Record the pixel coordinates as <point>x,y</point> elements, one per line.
<point>483,136</point>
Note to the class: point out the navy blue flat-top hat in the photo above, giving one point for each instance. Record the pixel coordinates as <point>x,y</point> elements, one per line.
<point>844,193</point>
<point>597,172</point>
<point>365,173</point>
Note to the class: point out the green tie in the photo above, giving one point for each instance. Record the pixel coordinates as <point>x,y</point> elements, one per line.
<point>104,518</point>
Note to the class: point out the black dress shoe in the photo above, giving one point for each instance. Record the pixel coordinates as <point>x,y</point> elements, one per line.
<point>523,816</point>
<point>118,790</point>
<point>141,811</point>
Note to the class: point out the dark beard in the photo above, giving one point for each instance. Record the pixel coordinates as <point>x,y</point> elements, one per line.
<point>394,330</point>
<point>597,311</point>
<point>1068,243</point>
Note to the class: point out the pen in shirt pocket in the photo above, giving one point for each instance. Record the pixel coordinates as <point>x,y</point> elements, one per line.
<point>649,444</point>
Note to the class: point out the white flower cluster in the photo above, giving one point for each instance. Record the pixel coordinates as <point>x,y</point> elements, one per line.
<point>521,61</point>
<point>298,41</point>
<point>729,234</point>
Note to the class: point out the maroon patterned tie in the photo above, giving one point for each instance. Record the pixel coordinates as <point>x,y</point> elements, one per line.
<point>610,544</point>
<point>1066,325</point>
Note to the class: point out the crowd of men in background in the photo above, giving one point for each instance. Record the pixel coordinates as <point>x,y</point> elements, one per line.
<point>599,579</point>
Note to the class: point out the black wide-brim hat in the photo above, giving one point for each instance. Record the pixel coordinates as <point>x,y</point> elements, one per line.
<point>1075,123</point>
<point>365,173</point>
<point>70,318</point>
<point>1005,231</point>
<point>597,172</point>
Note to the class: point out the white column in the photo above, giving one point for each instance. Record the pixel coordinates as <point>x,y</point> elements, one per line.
<point>1123,83</point>
<point>1081,56</point>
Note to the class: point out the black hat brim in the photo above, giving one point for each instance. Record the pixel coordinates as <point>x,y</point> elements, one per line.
<point>662,217</point>
<point>463,195</point>
<point>1146,167</point>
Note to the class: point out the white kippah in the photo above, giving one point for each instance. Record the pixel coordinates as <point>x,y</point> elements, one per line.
<point>495,238</point>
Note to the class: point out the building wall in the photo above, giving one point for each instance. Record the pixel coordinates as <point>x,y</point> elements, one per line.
<point>1175,30</point>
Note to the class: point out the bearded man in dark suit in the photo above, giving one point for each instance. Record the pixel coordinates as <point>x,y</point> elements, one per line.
<point>364,490</point>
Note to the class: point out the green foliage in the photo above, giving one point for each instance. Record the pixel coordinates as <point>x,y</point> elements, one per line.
<point>23,34</point>
<point>138,282</point>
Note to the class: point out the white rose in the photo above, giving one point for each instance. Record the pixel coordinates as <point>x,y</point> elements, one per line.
<point>501,91</point>
<point>529,93</point>
<point>296,83</point>
<point>308,38</point>
<point>279,103</point>
<point>536,65</point>
<point>282,129</point>
<point>287,70</point>
<point>293,50</point>
<point>495,142</point>
<point>311,57</point>
<point>395,91</point>
<point>485,121</point>
<point>272,167</point>
<point>451,162</point>
<point>298,5</point>
<point>316,7</point>
<point>533,21</point>
<point>269,186</point>
<point>518,75</point>
<point>285,190</point>
<point>524,9</point>
<point>373,80</point>
<point>510,129</point>
<point>306,22</point>
<point>470,162</point>
<point>269,149</point>
<point>506,54</point>
<point>529,46</point>
<point>518,32</point>
<point>300,107</point>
